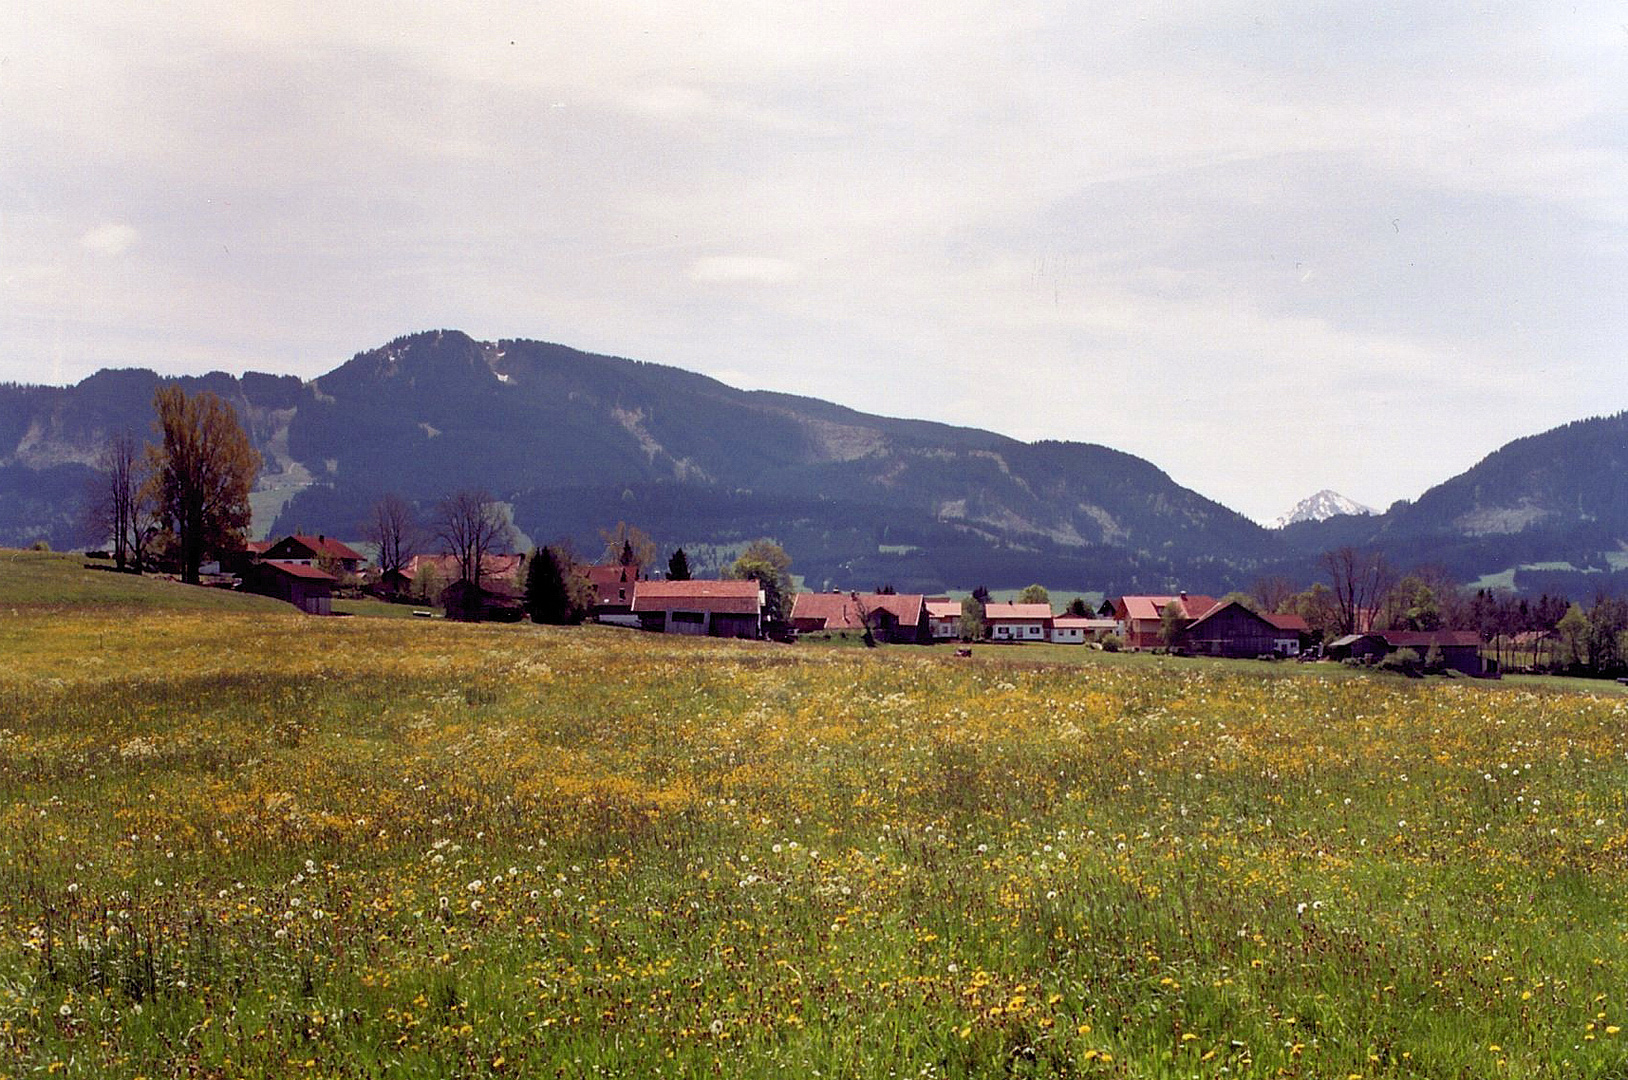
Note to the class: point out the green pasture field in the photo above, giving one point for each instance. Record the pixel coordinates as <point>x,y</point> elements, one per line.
<point>240,842</point>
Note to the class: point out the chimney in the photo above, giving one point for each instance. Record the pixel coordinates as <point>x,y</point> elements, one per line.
<point>1184,597</point>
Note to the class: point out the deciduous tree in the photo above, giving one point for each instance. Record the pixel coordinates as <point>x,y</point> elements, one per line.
<point>471,525</point>
<point>1360,581</point>
<point>1034,594</point>
<point>393,532</point>
<point>767,563</point>
<point>120,505</point>
<point>201,473</point>
<point>972,618</point>
<point>628,545</point>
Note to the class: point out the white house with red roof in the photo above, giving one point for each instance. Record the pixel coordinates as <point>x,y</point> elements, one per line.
<point>1077,630</point>
<point>943,618</point>
<point>312,550</point>
<point>1018,622</point>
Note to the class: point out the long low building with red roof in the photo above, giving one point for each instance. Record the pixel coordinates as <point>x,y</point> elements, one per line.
<point>897,617</point>
<point>705,608</point>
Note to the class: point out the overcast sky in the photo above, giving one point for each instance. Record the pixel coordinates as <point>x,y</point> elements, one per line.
<point>1270,247</point>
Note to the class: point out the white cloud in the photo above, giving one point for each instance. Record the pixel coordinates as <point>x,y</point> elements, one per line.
<point>109,239</point>
<point>754,269</point>
<point>1359,227</point>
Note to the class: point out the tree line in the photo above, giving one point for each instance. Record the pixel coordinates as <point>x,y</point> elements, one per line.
<point>1364,592</point>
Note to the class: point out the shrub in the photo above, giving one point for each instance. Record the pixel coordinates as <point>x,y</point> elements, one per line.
<point>1405,661</point>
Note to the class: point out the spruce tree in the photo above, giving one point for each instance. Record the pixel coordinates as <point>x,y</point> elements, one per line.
<point>678,567</point>
<point>547,600</point>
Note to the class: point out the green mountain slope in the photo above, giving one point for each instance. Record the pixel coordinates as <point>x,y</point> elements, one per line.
<point>576,441</point>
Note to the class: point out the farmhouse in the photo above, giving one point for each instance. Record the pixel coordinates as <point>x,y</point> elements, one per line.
<point>1233,630</point>
<point>307,587</point>
<point>899,618</point>
<point>1017,622</point>
<point>312,550</point>
<point>613,588</point>
<point>1141,617</point>
<point>943,618</point>
<point>428,575</point>
<point>710,608</point>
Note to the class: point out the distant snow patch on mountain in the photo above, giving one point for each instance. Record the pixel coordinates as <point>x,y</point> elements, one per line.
<point>1320,507</point>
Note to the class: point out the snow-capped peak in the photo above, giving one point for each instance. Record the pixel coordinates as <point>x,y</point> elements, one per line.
<point>1320,507</point>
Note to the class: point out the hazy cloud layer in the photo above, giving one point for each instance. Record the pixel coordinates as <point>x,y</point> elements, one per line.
<point>1272,248</point>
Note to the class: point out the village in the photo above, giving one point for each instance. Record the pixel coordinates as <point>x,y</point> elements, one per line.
<point>306,571</point>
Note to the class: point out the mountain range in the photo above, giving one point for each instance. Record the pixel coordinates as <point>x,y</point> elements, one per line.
<point>574,442</point>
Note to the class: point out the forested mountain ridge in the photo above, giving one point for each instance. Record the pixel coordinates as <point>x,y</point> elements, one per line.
<point>1547,512</point>
<point>575,441</point>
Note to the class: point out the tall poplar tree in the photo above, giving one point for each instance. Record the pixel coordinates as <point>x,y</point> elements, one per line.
<point>201,473</point>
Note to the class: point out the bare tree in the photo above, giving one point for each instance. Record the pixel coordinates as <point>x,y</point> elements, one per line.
<point>629,545</point>
<point>470,525</point>
<point>1273,592</point>
<point>1361,581</point>
<point>392,530</point>
<point>120,505</point>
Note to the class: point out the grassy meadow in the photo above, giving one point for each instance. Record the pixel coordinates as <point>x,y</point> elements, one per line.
<point>240,842</point>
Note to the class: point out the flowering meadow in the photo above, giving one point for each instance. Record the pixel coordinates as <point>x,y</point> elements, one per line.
<point>243,843</point>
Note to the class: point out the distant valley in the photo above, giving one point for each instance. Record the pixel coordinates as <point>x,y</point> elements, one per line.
<point>575,442</point>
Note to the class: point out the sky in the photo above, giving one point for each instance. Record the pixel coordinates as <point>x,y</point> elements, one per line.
<point>1270,247</point>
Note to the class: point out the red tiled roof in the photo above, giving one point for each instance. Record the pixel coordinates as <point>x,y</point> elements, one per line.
<point>846,611</point>
<point>726,597</point>
<point>299,570</point>
<point>492,566</point>
<point>943,609</point>
<point>1284,622</point>
<point>322,545</point>
<point>826,611</point>
<point>905,607</point>
<point>1080,622</point>
<point>1026,612</point>
<point>1151,607</point>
